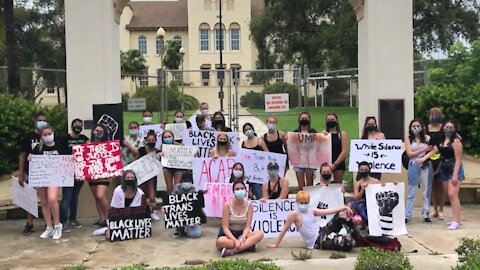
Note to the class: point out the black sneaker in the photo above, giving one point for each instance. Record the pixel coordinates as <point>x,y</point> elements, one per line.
<point>75,223</point>
<point>407,221</point>
<point>28,229</point>
<point>177,235</point>
<point>102,223</point>
<point>427,220</point>
<point>97,222</point>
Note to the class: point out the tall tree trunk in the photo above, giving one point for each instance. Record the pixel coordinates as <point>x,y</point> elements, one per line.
<point>11,50</point>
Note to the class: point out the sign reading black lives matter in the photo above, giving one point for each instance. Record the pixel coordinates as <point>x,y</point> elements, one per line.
<point>182,210</point>
<point>384,156</point>
<point>205,140</point>
<point>129,223</point>
<point>270,217</point>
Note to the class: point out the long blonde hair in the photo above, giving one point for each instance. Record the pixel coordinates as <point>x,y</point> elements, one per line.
<point>42,142</point>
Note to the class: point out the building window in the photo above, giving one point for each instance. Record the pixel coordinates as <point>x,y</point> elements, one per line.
<point>278,76</point>
<point>204,40</point>
<point>178,40</point>
<point>142,44</point>
<point>143,79</point>
<point>219,35</point>
<point>235,39</point>
<point>205,73</point>
<point>159,42</point>
<point>51,90</point>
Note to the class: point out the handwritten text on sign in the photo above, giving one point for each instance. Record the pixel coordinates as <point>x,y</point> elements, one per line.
<point>25,197</point>
<point>176,129</point>
<point>145,168</point>
<point>176,156</point>
<point>270,217</point>
<point>183,210</point>
<point>51,171</point>
<point>206,140</point>
<point>277,103</point>
<point>129,223</point>
<point>384,156</point>
<point>309,150</point>
<point>95,161</point>
<point>215,197</point>
<point>144,129</point>
<point>255,164</point>
<point>212,170</point>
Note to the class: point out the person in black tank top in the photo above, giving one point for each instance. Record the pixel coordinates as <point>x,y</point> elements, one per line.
<point>253,143</point>
<point>276,187</point>
<point>339,147</point>
<point>279,143</point>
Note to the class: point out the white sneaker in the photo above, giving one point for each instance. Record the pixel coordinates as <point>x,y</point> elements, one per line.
<point>47,233</point>
<point>154,216</point>
<point>57,231</point>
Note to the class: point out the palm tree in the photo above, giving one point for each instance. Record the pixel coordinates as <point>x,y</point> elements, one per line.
<point>11,49</point>
<point>172,56</point>
<point>132,64</point>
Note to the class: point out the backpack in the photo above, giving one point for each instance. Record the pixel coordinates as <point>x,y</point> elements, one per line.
<point>380,242</point>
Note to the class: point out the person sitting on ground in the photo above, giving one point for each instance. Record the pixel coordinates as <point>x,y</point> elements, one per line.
<point>184,187</point>
<point>276,187</point>
<point>223,148</point>
<point>359,201</point>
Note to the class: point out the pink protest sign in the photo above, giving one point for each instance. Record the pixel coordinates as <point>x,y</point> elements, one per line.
<point>94,161</point>
<point>309,150</point>
<point>215,197</point>
<point>212,170</point>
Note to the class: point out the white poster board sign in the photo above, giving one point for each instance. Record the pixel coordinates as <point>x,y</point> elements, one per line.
<point>270,216</point>
<point>384,156</point>
<point>51,171</point>
<point>177,129</point>
<point>205,140</point>
<point>386,209</point>
<point>177,156</point>
<point>277,103</point>
<point>25,197</point>
<point>212,170</point>
<point>325,197</point>
<point>144,129</point>
<point>145,168</point>
<point>255,164</point>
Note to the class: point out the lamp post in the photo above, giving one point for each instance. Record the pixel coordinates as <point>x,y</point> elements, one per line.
<point>182,54</point>
<point>161,79</point>
<point>221,93</point>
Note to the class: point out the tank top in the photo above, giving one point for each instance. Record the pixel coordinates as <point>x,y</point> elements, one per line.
<point>272,195</point>
<point>275,146</point>
<point>128,201</point>
<point>446,151</point>
<point>237,222</point>
<point>309,230</point>
<point>436,137</point>
<point>417,146</point>
<point>256,147</point>
<point>336,145</point>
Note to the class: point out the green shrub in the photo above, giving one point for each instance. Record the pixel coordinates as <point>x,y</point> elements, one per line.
<point>236,264</point>
<point>471,263</point>
<point>125,97</point>
<point>174,97</point>
<point>379,259</point>
<point>256,100</point>
<point>253,100</point>
<point>469,247</point>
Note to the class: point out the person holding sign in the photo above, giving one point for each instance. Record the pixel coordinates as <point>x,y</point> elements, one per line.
<point>328,238</point>
<point>202,124</point>
<point>304,175</point>
<point>253,143</point>
<point>223,149</point>
<point>235,236</point>
<point>339,147</point>
<point>359,201</point>
<point>218,122</point>
<point>275,140</point>
<point>179,119</point>
<point>172,175</point>
<point>131,143</point>
<point>147,117</point>
<point>276,187</point>
<point>48,195</point>
<point>371,132</point>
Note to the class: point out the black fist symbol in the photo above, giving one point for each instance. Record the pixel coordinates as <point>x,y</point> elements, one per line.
<point>386,202</point>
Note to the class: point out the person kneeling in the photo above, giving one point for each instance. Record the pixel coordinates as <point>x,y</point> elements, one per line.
<point>186,186</point>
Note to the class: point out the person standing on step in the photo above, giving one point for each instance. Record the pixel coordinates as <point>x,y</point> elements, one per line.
<point>275,140</point>
<point>304,175</point>
<point>371,132</point>
<point>339,147</point>
<point>218,122</point>
<point>147,117</point>
<point>131,143</point>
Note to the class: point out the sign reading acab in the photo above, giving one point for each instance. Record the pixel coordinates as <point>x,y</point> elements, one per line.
<point>137,104</point>
<point>277,103</point>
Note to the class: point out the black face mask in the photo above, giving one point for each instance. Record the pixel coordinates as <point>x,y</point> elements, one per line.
<point>331,124</point>
<point>130,183</point>
<point>151,144</point>
<point>371,128</point>
<point>77,130</point>
<point>363,174</point>
<point>327,176</point>
<point>304,122</point>
<point>222,143</point>
<point>218,122</point>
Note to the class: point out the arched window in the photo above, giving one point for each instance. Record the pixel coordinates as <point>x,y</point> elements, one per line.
<point>204,31</point>
<point>142,44</point>
<point>159,42</point>
<point>178,40</point>
<point>234,37</point>
<point>219,36</point>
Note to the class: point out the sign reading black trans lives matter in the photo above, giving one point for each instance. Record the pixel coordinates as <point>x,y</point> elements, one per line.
<point>182,210</point>
<point>384,156</point>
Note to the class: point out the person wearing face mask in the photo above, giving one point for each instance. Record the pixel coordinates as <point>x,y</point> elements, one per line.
<point>416,146</point>
<point>304,175</point>
<point>147,117</point>
<point>27,144</point>
<point>172,175</point>
<point>275,140</point>
<point>48,195</point>
<point>186,186</point>
<point>179,119</point>
<point>315,237</point>
<point>203,108</point>
<point>371,132</point>
<point>218,122</point>
<point>237,173</point>
<point>235,235</point>
<point>339,147</point>
<point>69,203</point>
<point>223,148</point>
<point>451,169</point>
<point>253,143</point>
<point>276,187</point>
<point>131,143</point>
<point>202,123</point>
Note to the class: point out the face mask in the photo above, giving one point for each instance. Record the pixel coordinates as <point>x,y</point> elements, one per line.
<point>130,183</point>
<point>77,129</point>
<point>133,132</point>
<point>204,111</point>
<point>222,143</point>
<point>331,124</point>
<point>435,119</point>
<point>168,140</point>
<point>237,173</point>
<point>363,174</point>
<point>240,194</point>
<point>371,128</point>
<point>449,132</point>
<point>48,138</point>
<point>416,130</point>
<point>186,185</point>
<point>218,122</point>
<point>304,122</point>
<point>151,144</point>
<point>303,208</point>
<point>40,124</point>
<point>178,120</point>
<point>327,176</point>
<point>147,119</point>
<point>98,134</point>
<point>271,127</point>
<point>273,173</point>
<point>249,133</point>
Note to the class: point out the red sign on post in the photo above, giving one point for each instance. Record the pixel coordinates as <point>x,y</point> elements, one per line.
<point>94,161</point>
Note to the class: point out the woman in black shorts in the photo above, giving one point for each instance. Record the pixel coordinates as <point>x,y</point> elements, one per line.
<point>339,147</point>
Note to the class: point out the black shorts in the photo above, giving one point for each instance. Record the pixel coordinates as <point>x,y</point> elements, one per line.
<point>340,167</point>
<point>376,175</point>
<point>236,234</point>
<point>98,183</point>
<point>174,170</point>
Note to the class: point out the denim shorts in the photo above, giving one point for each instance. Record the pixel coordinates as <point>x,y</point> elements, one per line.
<point>303,170</point>
<point>447,175</point>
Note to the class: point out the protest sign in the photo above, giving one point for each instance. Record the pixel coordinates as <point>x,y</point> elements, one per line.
<point>193,121</point>
<point>145,168</point>
<point>384,156</point>
<point>255,164</point>
<point>25,197</point>
<point>215,197</point>
<point>51,171</point>
<point>212,170</point>
<point>111,116</point>
<point>206,140</point>
<point>176,129</point>
<point>270,217</point>
<point>176,156</point>
<point>95,161</point>
<point>309,150</point>
<point>277,102</point>
<point>386,209</point>
<point>182,210</point>
<point>325,197</point>
<point>144,129</point>
<point>129,223</point>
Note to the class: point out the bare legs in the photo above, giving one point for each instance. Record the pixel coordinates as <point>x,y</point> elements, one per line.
<point>48,199</point>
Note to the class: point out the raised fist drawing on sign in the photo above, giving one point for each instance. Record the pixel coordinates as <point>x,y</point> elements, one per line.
<point>386,201</point>
<point>111,123</point>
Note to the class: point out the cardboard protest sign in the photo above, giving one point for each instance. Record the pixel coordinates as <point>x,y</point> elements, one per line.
<point>51,171</point>
<point>386,209</point>
<point>277,102</point>
<point>255,164</point>
<point>183,210</point>
<point>216,195</point>
<point>145,168</point>
<point>206,140</point>
<point>384,156</point>
<point>176,129</point>
<point>95,161</point>
<point>129,223</point>
<point>177,156</point>
<point>325,197</point>
<point>212,170</point>
<point>309,150</point>
<point>270,216</point>
<point>25,197</point>
<point>111,116</point>
<point>144,129</point>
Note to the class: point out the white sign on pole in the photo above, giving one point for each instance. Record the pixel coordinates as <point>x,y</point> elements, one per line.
<point>255,164</point>
<point>144,129</point>
<point>384,156</point>
<point>386,209</point>
<point>176,156</point>
<point>137,104</point>
<point>25,197</point>
<point>270,216</point>
<point>206,140</point>
<point>277,103</point>
<point>325,197</point>
<point>177,129</point>
<point>145,168</point>
<point>51,171</point>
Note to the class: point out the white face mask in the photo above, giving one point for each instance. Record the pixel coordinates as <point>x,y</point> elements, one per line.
<point>147,119</point>
<point>48,138</point>
<point>204,111</point>
<point>237,173</point>
<point>178,120</point>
